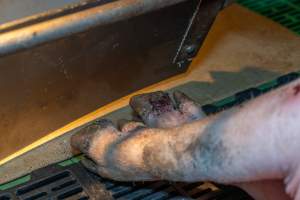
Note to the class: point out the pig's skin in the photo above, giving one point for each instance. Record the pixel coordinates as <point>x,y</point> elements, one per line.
<point>248,145</point>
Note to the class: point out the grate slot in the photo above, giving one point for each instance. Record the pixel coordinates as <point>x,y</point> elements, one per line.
<point>83,198</point>
<point>70,193</point>
<point>37,196</point>
<point>63,185</point>
<point>42,183</point>
<point>164,193</point>
<point>138,194</point>
<point>143,190</point>
<point>121,190</point>
<point>108,184</point>
<point>285,12</point>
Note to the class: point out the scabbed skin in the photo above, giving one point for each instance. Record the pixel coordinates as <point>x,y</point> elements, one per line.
<point>255,145</point>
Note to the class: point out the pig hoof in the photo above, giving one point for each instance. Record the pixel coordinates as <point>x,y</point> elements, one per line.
<point>158,110</point>
<point>187,106</point>
<point>118,153</point>
<point>85,137</point>
<point>101,142</point>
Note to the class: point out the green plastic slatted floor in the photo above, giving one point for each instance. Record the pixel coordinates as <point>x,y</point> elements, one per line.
<point>285,12</point>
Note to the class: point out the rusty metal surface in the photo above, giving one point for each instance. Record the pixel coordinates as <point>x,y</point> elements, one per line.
<point>60,27</point>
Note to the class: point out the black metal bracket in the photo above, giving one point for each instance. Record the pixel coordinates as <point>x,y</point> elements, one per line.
<point>197,29</point>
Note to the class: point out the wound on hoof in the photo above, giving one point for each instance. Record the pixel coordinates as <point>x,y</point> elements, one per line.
<point>161,104</point>
<point>296,89</point>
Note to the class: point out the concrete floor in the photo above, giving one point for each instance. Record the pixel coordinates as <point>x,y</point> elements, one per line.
<point>242,50</point>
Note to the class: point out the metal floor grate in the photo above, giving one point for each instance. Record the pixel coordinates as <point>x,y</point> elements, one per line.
<point>60,184</point>
<point>73,182</point>
<point>285,12</point>
<point>69,180</point>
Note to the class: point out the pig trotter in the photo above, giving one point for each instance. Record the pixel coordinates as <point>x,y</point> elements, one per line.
<point>158,110</point>
<point>121,152</point>
<point>256,142</point>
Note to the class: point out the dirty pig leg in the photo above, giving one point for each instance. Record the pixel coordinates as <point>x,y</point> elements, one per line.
<point>259,190</point>
<point>256,141</point>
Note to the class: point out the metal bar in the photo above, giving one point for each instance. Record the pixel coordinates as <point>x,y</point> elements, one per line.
<point>48,13</point>
<point>33,35</point>
<point>187,31</point>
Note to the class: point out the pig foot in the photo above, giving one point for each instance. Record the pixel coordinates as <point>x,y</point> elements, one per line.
<point>100,140</point>
<point>258,141</point>
<point>120,153</point>
<point>158,110</point>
